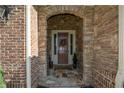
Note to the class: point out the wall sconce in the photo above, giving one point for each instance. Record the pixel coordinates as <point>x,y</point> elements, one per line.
<point>4,11</point>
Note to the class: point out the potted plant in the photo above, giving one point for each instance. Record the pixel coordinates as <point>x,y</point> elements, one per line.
<point>2,81</point>
<point>50,62</point>
<point>75,61</point>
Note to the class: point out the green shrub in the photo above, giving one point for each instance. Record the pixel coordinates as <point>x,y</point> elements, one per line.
<point>2,81</point>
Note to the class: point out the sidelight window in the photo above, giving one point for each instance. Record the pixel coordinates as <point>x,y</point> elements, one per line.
<point>54,44</point>
<point>71,44</point>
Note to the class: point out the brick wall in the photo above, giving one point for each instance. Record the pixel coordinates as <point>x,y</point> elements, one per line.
<point>105,46</point>
<point>12,46</point>
<point>87,45</point>
<point>35,71</point>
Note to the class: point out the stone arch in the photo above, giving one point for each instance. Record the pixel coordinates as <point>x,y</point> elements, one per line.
<point>54,10</point>
<point>72,16</point>
<point>62,12</point>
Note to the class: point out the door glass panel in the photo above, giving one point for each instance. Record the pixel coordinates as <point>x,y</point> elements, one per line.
<point>63,45</point>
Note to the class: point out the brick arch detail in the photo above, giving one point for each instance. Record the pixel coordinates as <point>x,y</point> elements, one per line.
<point>54,10</point>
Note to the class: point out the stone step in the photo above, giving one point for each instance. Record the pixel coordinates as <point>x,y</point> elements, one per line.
<point>62,78</point>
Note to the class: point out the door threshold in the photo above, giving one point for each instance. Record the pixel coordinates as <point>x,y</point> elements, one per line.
<point>62,66</point>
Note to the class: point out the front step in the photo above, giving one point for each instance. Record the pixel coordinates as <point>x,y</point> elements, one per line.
<point>69,67</point>
<point>62,78</point>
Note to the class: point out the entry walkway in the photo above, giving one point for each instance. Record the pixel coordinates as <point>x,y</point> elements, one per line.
<point>62,78</point>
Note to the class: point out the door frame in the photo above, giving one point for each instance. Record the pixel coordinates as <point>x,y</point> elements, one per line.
<point>55,57</point>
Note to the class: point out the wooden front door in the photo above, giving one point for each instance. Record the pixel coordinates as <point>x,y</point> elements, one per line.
<point>63,47</point>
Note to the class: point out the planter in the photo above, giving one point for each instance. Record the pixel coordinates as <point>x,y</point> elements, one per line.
<point>75,61</point>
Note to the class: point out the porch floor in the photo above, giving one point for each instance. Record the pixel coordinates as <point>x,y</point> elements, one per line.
<point>63,78</point>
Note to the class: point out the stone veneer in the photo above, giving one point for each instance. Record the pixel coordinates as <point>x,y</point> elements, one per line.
<point>12,47</point>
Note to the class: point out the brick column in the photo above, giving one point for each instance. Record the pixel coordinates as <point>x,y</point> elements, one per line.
<point>88,46</point>
<point>42,40</point>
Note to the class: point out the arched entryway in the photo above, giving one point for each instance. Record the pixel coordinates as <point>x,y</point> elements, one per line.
<point>64,39</point>
<point>76,21</point>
